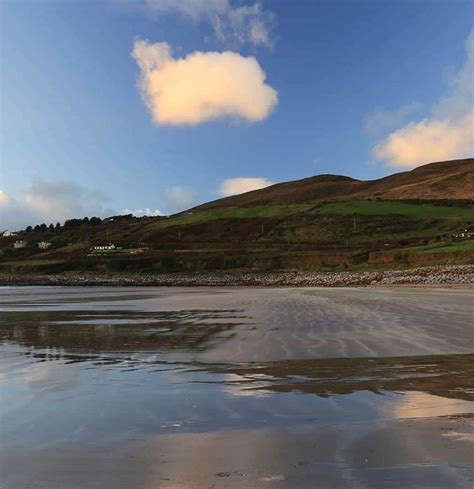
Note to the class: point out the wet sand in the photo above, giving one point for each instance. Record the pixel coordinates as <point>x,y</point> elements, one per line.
<point>263,324</point>
<point>236,388</point>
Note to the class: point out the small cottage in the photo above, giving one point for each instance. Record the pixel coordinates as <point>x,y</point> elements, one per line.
<point>19,244</point>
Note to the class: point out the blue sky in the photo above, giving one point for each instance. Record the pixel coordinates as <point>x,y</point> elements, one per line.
<point>350,76</point>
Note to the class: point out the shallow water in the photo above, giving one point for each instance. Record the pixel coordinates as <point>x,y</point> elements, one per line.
<point>236,388</point>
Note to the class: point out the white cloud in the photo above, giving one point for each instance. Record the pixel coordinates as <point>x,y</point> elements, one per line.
<point>201,86</point>
<point>50,201</point>
<point>427,141</point>
<point>234,186</point>
<point>447,134</point>
<point>179,198</point>
<point>146,211</point>
<point>380,121</point>
<point>63,199</point>
<point>246,24</point>
<point>15,215</point>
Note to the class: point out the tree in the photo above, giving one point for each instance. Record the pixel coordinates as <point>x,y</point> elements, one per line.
<point>95,221</point>
<point>60,241</point>
<point>72,223</point>
<point>51,227</point>
<point>58,225</point>
<point>29,229</point>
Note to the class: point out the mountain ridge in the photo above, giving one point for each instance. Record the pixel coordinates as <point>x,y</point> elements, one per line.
<point>444,180</point>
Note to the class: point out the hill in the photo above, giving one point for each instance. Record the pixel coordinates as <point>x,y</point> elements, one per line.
<point>436,181</point>
<point>325,222</point>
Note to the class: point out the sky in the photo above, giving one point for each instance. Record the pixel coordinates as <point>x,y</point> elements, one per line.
<point>153,106</point>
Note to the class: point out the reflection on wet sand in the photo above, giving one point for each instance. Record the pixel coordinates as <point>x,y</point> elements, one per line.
<point>119,330</point>
<point>121,388</point>
<point>118,337</point>
<point>284,323</point>
<point>395,455</point>
<point>450,376</point>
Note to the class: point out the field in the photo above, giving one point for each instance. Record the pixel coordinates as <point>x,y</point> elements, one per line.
<point>253,212</point>
<point>411,210</point>
<point>365,208</point>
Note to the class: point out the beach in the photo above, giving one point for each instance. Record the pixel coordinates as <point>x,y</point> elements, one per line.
<point>261,387</point>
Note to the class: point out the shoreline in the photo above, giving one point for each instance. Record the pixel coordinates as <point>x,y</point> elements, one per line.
<point>438,275</point>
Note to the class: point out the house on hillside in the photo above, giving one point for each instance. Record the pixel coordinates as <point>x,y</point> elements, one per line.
<point>8,234</point>
<point>109,247</point>
<point>464,234</point>
<point>44,245</point>
<point>20,244</point>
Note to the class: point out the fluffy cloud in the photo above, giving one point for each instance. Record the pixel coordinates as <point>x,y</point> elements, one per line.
<point>247,24</point>
<point>201,86</point>
<point>234,186</point>
<point>63,199</point>
<point>50,201</point>
<point>447,134</point>
<point>179,198</point>
<point>429,140</point>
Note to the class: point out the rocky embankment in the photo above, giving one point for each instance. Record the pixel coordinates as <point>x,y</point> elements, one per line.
<point>435,275</point>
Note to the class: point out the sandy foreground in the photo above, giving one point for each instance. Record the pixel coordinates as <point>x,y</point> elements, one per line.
<point>404,453</point>
<point>271,324</point>
<point>236,387</point>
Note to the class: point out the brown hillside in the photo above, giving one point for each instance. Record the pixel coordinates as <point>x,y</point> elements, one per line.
<point>442,180</point>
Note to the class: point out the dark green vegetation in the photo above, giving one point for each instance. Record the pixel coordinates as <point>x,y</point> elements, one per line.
<point>305,224</point>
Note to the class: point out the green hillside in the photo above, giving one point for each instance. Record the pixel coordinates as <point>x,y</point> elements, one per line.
<point>312,235</point>
<point>326,222</point>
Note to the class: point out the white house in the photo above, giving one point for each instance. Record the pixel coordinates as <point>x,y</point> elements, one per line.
<point>19,244</point>
<point>109,247</point>
<point>44,245</point>
<point>464,234</point>
<point>8,234</point>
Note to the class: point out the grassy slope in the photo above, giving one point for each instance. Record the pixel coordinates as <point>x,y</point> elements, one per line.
<point>367,208</point>
<point>297,232</point>
<point>261,237</point>
<point>414,211</point>
<point>253,212</point>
